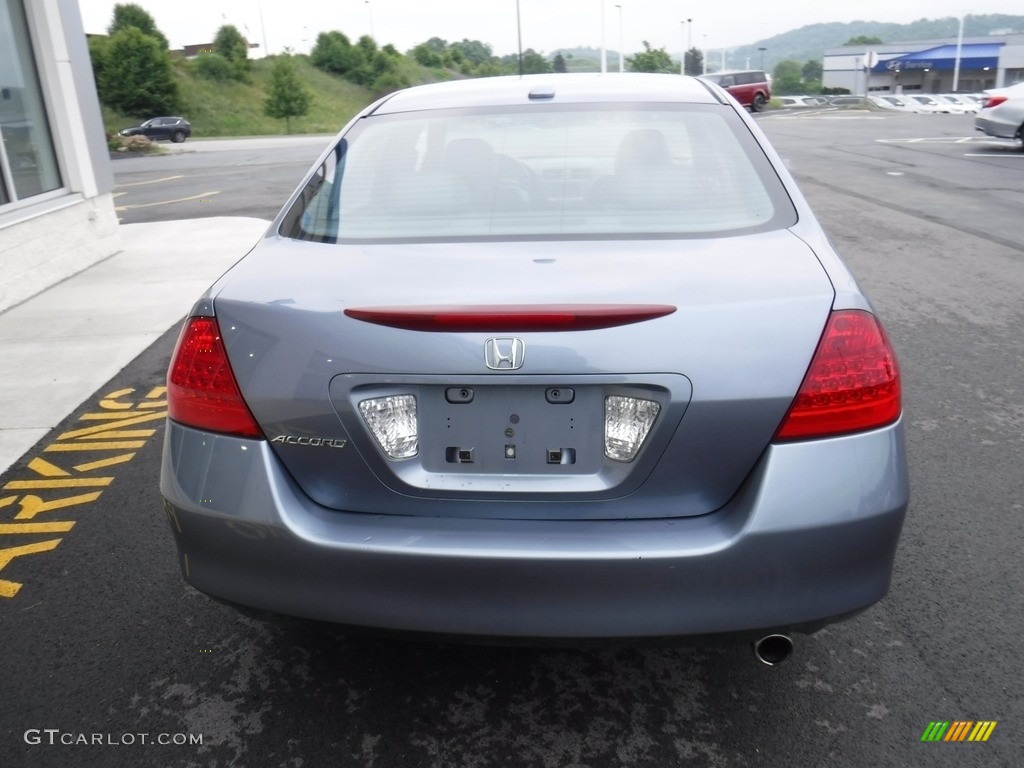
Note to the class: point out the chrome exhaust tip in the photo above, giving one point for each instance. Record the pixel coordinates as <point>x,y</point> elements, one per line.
<point>773,649</point>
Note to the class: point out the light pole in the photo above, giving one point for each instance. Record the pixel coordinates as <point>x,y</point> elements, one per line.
<point>621,54</point>
<point>682,56</point>
<point>369,10</point>
<point>762,50</point>
<point>604,50</point>
<point>689,41</point>
<point>959,50</point>
<point>519,37</point>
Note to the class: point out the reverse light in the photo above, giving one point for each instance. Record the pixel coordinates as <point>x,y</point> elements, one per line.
<point>627,422</point>
<point>392,420</point>
<point>851,385</point>
<point>201,389</point>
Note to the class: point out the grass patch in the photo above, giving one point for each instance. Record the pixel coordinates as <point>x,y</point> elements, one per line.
<point>236,109</point>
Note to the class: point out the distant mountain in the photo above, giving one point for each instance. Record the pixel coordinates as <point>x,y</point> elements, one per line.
<point>811,42</point>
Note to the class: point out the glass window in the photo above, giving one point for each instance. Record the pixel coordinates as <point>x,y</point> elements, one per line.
<point>572,171</point>
<point>28,164</point>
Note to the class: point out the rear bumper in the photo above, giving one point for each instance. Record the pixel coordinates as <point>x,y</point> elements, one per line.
<point>997,128</point>
<point>810,537</point>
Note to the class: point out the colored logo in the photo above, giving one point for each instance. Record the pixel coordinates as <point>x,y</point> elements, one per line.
<point>958,730</point>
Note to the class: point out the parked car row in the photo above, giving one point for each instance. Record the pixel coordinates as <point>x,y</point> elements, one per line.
<point>929,103</point>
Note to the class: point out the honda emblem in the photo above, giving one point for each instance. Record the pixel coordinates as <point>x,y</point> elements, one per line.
<point>504,354</point>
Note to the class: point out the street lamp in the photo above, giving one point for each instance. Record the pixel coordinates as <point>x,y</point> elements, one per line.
<point>959,50</point>
<point>762,50</point>
<point>621,54</point>
<point>519,37</point>
<point>682,56</point>
<point>604,50</point>
<point>369,10</point>
<point>689,41</point>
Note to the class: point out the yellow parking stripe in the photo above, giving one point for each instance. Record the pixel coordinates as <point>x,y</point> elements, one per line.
<point>14,528</point>
<point>124,458</point>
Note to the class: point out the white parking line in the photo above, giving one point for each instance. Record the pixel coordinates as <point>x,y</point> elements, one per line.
<point>937,140</point>
<point>151,181</point>
<point>167,202</point>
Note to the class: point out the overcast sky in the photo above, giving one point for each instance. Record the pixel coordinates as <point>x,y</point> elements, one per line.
<point>547,25</point>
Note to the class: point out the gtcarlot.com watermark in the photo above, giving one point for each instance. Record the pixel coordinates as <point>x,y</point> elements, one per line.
<point>57,737</point>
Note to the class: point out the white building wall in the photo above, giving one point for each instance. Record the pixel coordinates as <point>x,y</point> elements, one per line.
<point>47,238</point>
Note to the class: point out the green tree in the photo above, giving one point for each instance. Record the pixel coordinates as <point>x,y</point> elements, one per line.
<point>651,60</point>
<point>334,53</point>
<point>230,43</point>
<point>132,15</point>
<point>391,80</point>
<point>473,50</point>
<point>787,78</point>
<point>426,57</point>
<point>286,96</point>
<point>137,77</point>
<point>694,61</point>
<point>213,66</point>
<point>534,63</point>
<point>98,57</point>
<point>864,40</point>
<point>436,44</point>
<point>558,65</point>
<point>812,70</point>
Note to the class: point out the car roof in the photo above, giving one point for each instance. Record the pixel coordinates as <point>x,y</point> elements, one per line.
<point>558,88</point>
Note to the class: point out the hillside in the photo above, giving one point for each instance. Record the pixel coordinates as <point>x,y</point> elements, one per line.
<point>811,42</point>
<point>236,109</point>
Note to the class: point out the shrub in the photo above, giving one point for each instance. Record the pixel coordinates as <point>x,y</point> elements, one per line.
<point>213,66</point>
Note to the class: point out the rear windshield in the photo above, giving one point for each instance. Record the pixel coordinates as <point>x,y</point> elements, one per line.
<point>542,171</point>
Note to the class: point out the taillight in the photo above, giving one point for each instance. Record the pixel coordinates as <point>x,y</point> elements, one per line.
<point>992,101</point>
<point>852,383</point>
<point>201,389</point>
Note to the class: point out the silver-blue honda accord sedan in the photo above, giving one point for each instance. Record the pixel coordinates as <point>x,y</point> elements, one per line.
<point>551,357</point>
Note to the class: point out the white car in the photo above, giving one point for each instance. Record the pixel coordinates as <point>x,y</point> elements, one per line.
<point>1002,113</point>
<point>802,101</point>
<point>959,105</point>
<point>928,104</point>
<point>898,103</point>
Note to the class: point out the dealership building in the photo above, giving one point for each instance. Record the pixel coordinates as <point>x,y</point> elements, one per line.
<point>930,66</point>
<point>56,207</point>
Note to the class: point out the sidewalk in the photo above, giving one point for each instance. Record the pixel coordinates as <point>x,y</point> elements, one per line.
<point>63,344</point>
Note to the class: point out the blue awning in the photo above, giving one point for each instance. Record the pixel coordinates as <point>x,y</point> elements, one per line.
<point>943,57</point>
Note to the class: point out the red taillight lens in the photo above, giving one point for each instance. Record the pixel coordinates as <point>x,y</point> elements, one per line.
<point>201,389</point>
<point>993,101</point>
<point>852,383</point>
